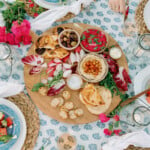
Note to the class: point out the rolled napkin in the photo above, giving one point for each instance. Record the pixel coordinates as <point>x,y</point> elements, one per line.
<point>138,139</point>
<point>9,89</point>
<point>46,19</point>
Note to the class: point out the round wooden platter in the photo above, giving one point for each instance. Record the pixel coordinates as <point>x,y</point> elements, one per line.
<point>43,102</point>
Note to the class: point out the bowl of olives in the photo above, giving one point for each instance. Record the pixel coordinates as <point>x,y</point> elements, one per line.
<point>69,39</point>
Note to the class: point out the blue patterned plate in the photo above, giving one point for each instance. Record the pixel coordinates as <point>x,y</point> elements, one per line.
<point>18,130</point>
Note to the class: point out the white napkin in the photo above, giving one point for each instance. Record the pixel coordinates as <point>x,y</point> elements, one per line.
<point>138,139</point>
<point>10,89</point>
<point>46,19</point>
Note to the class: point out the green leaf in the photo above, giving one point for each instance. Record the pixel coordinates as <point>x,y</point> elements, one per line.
<point>37,86</point>
<point>95,48</point>
<point>116,124</point>
<point>89,41</point>
<point>110,127</point>
<point>83,37</point>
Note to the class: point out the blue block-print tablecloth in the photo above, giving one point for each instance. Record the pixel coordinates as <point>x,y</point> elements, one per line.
<point>90,136</point>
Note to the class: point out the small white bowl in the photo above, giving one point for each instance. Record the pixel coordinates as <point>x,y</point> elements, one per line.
<point>79,82</point>
<point>115,53</point>
<point>69,48</point>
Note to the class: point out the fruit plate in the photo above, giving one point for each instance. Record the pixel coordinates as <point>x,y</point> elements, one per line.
<point>44,102</point>
<point>18,130</point>
<point>141,82</point>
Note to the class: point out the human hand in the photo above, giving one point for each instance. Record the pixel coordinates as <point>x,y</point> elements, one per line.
<point>117,5</point>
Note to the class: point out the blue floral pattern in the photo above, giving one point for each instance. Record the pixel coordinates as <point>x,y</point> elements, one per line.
<point>88,136</point>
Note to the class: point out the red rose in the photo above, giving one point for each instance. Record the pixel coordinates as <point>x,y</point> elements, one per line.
<point>107,132</point>
<point>27,39</point>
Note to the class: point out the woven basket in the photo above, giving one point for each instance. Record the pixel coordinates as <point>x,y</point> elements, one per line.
<point>139,18</point>
<point>31,117</point>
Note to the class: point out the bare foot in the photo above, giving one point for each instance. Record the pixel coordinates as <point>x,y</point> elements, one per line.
<point>117,5</point>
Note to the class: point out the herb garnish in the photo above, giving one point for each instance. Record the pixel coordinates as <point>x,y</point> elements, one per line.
<point>110,84</point>
<point>5,138</point>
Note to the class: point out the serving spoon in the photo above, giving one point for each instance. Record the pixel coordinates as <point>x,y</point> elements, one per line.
<point>129,100</point>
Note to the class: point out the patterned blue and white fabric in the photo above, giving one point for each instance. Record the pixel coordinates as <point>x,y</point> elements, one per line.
<point>89,136</point>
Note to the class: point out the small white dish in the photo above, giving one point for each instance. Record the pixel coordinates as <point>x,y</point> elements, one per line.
<point>74,82</point>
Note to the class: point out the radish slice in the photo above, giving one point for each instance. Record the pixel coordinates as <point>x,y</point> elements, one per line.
<point>77,57</point>
<point>82,54</point>
<point>44,65</point>
<point>35,70</point>
<point>33,60</point>
<point>67,66</point>
<point>67,73</point>
<point>72,58</point>
<point>57,61</point>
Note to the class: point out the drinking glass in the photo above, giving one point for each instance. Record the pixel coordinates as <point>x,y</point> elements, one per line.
<point>6,61</point>
<point>142,45</point>
<point>134,116</point>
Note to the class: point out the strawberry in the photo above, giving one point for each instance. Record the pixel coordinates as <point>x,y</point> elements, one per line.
<point>2,116</point>
<point>148,99</point>
<point>9,121</point>
<point>3,131</point>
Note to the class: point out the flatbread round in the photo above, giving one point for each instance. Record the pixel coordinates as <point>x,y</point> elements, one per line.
<point>107,97</point>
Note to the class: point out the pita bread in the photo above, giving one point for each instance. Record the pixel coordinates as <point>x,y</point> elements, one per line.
<point>47,41</point>
<point>58,53</point>
<point>90,95</point>
<point>107,97</point>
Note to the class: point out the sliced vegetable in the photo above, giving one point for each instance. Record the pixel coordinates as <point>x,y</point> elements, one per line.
<point>35,70</point>
<point>55,89</point>
<point>5,138</point>
<point>9,121</point>
<point>4,123</point>
<point>122,79</point>
<point>2,115</point>
<point>33,60</point>
<point>3,131</point>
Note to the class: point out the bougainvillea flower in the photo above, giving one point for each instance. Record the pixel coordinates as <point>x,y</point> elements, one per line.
<point>117,132</point>
<point>116,117</point>
<point>107,132</point>
<point>103,118</point>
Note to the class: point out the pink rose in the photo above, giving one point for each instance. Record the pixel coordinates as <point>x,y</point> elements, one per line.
<point>117,132</point>
<point>27,39</point>
<point>116,117</point>
<point>107,132</point>
<point>103,118</point>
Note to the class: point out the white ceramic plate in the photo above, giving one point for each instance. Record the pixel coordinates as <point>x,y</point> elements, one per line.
<point>147,14</point>
<point>19,136</point>
<point>49,5</point>
<point>140,82</point>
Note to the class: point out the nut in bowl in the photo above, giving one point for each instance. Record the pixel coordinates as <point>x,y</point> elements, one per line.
<point>93,40</point>
<point>93,68</point>
<point>69,39</point>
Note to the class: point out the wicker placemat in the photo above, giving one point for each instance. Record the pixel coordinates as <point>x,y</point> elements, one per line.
<point>139,18</point>
<point>31,117</point>
<point>131,147</point>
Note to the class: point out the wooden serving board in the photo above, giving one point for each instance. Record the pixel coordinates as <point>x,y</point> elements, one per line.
<point>43,102</point>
